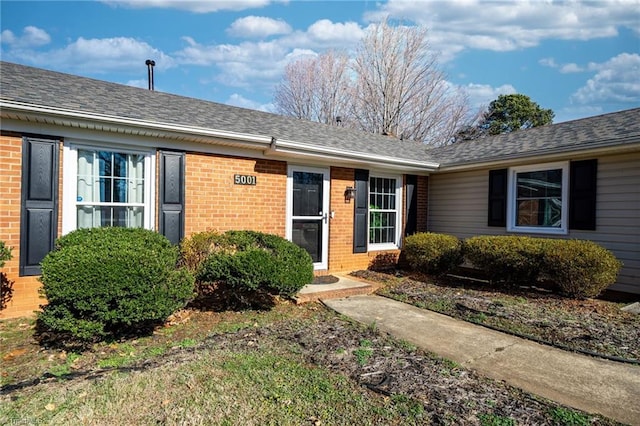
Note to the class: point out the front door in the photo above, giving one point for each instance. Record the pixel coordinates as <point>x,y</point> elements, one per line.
<point>308,211</point>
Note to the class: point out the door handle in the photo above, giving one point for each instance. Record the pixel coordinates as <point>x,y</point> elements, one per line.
<point>325,217</point>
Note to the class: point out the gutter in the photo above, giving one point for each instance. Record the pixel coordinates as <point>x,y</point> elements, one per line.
<point>61,113</point>
<point>290,147</point>
<point>607,146</point>
<point>269,144</point>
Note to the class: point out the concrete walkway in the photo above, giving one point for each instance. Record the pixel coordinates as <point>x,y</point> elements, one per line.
<point>586,383</point>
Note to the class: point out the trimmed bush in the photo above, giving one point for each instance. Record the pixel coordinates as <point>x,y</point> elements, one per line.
<point>5,253</point>
<point>195,249</point>
<point>513,260</point>
<point>433,253</point>
<point>249,260</point>
<point>107,282</point>
<point>580,268</point>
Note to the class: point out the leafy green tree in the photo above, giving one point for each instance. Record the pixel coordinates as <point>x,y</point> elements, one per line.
<point>509,113</point>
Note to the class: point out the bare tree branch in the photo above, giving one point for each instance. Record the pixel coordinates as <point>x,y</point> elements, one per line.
<point>393,86</point>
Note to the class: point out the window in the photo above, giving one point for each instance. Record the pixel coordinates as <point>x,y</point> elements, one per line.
<point>538,198</point>
<point>112,188</point>
<point>384,198</point>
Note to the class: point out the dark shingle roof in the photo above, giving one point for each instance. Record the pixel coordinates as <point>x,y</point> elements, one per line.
<point>614,129</point>
<point>53,89</point>
<point>39,87</point>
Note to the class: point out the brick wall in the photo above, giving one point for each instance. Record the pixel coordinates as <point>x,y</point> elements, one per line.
<point>25,298</point>
<point>214,202</point>
<point>341,256</point>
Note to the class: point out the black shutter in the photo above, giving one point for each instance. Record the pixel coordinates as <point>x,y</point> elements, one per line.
<point>497,197</point>
<point>583,177</point>
<point>171,218</point>
<point>361,211</point>
<point>39,215</point>
<point>412,205</point>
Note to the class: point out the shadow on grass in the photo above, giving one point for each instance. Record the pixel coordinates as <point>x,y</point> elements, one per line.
<point>218,297</point>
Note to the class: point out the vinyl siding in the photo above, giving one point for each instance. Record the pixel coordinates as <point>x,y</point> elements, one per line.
<point>458,206</point>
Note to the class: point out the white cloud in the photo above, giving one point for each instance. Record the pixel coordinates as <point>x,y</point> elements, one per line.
<point>257,27</point>
<point>261,63</point>
<point>503,26</point>
<point>564,68</point>
<point>98,55</point>
<point>31,37</point>
<point>326,31</point>
<point>249,65</point>
<point>140,84</point>
<point>241,101</point>
<point>615,81</point>
<point>481,95</point>
<point>548,62</point>
<point>571,68</point>
<point>197,6</point>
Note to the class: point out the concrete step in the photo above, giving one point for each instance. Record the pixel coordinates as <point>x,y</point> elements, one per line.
<point>343,288</point>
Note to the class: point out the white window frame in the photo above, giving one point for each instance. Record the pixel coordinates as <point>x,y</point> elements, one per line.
<point>512,199</point>
<point>70,176</point>
<point>398,209</point>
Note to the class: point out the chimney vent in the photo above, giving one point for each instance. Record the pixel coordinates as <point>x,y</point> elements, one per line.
<point>150,65</point>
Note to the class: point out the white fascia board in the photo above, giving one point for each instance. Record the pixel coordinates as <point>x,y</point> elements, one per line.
<point>575,152</point>
<point>326,152</point>
<point>168,128</point>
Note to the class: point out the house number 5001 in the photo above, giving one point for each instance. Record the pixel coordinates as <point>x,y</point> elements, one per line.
<point>244,180</point>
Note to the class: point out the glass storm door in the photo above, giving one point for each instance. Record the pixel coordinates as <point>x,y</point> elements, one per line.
<point>309,212</point>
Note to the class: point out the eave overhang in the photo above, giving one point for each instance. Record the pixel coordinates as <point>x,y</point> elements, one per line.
<point>268,144</point>
<point>608,147</point>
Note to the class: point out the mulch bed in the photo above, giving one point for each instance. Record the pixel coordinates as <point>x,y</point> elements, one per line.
<point>592,326</point>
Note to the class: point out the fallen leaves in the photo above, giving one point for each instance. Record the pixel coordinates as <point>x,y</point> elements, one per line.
<point>14,354</point>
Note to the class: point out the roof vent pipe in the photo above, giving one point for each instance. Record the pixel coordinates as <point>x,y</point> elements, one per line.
<point>150,65</point>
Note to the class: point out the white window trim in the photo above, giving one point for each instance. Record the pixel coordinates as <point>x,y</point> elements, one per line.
<point>69,180</point>
<point>512,196</point>
<point>398,209</point>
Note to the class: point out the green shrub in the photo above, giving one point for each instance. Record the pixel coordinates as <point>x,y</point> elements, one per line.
<point>5,253</point>
<point>433,253</point>
<point>249,260</point>
<point>514,260</point>
<point>195,249</point>
<point>106,282</point>
<point>580,268</point>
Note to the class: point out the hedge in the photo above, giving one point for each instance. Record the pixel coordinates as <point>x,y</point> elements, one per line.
<point>577,268</point>
<point>513,260</point>
<point>5,253</point>
<point>106,282</point>
<point>433,253</point>
<point>580,268</point>
<point>252,261</point>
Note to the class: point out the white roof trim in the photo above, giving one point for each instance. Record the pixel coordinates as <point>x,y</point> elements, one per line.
<point>287,148</point>
<point>314,150</point>
<point>131,122</point>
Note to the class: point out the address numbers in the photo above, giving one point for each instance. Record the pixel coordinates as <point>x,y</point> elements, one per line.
<point>244,180</point>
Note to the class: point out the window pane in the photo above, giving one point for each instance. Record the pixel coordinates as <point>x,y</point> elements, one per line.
<point>307,193</point>
<point>112,178</point>
<point>120,191</point>
<point>104,160</point>
<point>308,235</point>
<point>539,198</point>
<point>119,165</point>
<point>382,221</point>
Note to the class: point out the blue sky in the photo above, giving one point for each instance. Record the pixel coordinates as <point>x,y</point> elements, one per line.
<point>578,58</point>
